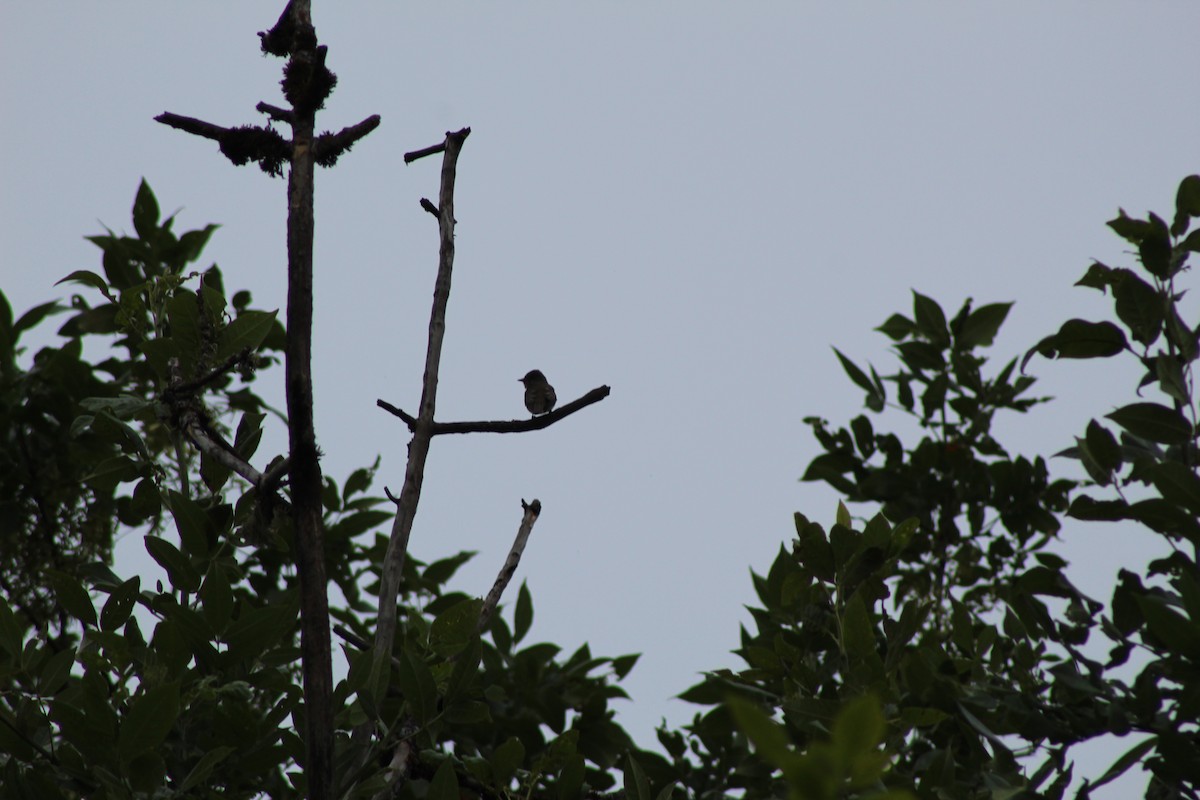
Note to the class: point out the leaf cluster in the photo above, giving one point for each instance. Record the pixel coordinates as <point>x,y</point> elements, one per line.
<point>112,688</point>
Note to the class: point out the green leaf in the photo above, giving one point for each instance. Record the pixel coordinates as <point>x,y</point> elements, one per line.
<point>982,325</point>
<point>859,727</point>
<point>1178,484</point>
<point>89,278</point>
<point>1133,756</point>
<point>150,717</point>
<point>506,759</point>
<point>523,616</point>
<point>769,738</point>
<point>896,327</point>
<point>183,314</point>
<point>1140,306</point>
<point>120,603</point>
<point>71,595</point>
<point>246,332</point>
<point>444,785</point>
<point>145,211</point>
<point>623,665</point>
<point>11,632</point>
<point>179,569</point>
<point>1175,631</point>
<point>359,523</point>
<point>1154,250</point>
<point>858,634</point>
<point>256,630</point>
<point>1154,422</point>
<point>54,673</point>
<point>110,472</point>
<point>814,550</point>
<point>1103,447</point>
<point>192,524</point>
<point>1130,229</point>
<point>930,319</point>
<point>570,780</point>
<point>1098,276</point>
<point>454,628</point>
<point>1187,204</point>
<point>1079,338</point>
<point>1171,380</point>
<point>204,767</point>
<point>857,375</point>
<point>216,597</point>
<point>636,785</point>
<point>191,244</point>
<point>417,684</point>
<point>359,481</point>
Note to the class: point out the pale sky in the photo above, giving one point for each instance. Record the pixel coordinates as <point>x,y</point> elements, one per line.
<point>690,202</point>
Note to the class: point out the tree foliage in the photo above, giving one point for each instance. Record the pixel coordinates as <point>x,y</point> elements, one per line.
<point>115,689</point>
<point>942,624</point>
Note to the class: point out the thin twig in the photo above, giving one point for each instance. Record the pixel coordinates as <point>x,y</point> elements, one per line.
<point>510,564</point>
<point>196,127</point>
<point>276,113</point>
<point>409,419</point>
<point>440,147</point>
<point>217,372</point>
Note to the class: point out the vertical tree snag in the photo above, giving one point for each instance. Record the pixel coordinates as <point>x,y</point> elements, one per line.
<point>418,449</point>
<point>305,473</point>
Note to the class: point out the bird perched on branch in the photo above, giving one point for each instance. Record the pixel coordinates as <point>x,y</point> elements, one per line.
<point>539,395</point>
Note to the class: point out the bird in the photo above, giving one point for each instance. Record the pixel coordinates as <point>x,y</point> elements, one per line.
<point>539,395</point>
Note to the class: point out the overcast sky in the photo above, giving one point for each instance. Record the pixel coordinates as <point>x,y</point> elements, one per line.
<point>689,202</point>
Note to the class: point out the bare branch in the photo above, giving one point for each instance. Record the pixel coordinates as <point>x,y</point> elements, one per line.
<point>276,113</point>
<point>418,451</point>
<point>440,147</point>
<point>503,426</point>
<point>532,510</point>
<point>221,369</point>
<point>522,425</point>
<point>215,448</point>
<point>196,127</point>
<point>428,205</point>
<point>331,145</point>
<point>240,145</point>
<point>409,419</point>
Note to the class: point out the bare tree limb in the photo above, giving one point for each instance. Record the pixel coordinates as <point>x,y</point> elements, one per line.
<point>276,113</point>
<point>409,420</point>
<point>240,145</point>
<point>218,451</point>
<point>532,510</point>
<point>503,426</point>
<point>414,476</point>
<point>224,367</point>
<point>331,145</point>
<point>440,147</point>
<point>196,127</point>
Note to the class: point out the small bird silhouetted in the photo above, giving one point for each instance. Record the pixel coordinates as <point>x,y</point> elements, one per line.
<point>539,395</point>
